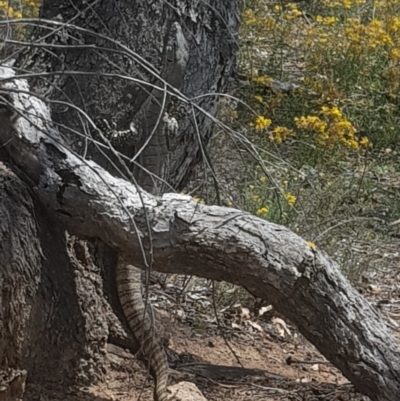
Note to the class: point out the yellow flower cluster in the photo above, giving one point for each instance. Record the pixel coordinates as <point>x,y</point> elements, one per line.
<point>262,80</point>
<point>346,4</point>
<point>8,11</point>
<point>280,134</point>
<point>333,129</point>
<point>266,23</point>
<point>16,10</point>
<point>262,211</point>
<point>311,245</point>
<point>395,55</point>
<point>262,123</point>
<point>292,12</point>
<point>326,20</point>
<point>364,36</point>
<point>291,199</point>
<point>331,112</point>
<point>33,3</point>
<point>199,200</point>
<point>249,18</point>
<point>312,123</point>
<point>365,142</point>
<point>393,24</point>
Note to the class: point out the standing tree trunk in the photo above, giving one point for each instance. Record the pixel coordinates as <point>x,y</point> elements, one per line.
<point>144,27</point>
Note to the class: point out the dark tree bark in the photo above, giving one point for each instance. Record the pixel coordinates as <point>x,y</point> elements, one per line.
<point>50,325</point>
<point>56,290</point>
<point>144,28</point>
<point>20,278</point>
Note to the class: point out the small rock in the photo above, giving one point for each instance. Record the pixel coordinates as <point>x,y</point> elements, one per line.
<point>185,391</point>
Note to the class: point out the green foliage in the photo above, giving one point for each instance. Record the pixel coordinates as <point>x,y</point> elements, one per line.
<point>17,9</point>
<point>323,79</point>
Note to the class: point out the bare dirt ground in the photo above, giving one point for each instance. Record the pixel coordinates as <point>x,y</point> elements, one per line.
<point>281,364</point>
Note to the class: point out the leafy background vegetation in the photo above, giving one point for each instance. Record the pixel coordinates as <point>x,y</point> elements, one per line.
<point>322,79</point>
<point>16,9</point>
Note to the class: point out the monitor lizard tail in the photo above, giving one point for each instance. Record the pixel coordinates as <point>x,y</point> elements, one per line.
<point>137,312</point>
<point>141,322</point>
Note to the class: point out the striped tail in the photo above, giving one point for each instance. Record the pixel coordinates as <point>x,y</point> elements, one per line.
<point>142,325</point>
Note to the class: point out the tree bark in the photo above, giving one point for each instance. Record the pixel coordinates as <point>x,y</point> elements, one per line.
<point>142,28</point>
<point>50,325</point>
<point>219,243</point>
<point>20,278</point>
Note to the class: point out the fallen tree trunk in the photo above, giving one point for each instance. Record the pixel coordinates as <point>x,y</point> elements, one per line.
<point>175,234</point>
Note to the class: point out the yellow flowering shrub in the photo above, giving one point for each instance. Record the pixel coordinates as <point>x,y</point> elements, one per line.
<point>15,9</point>
<point>332,129</point>
<point>345,56</point>
<point>313,123</point>
<point>280,134</point>
<point>323,85</point>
